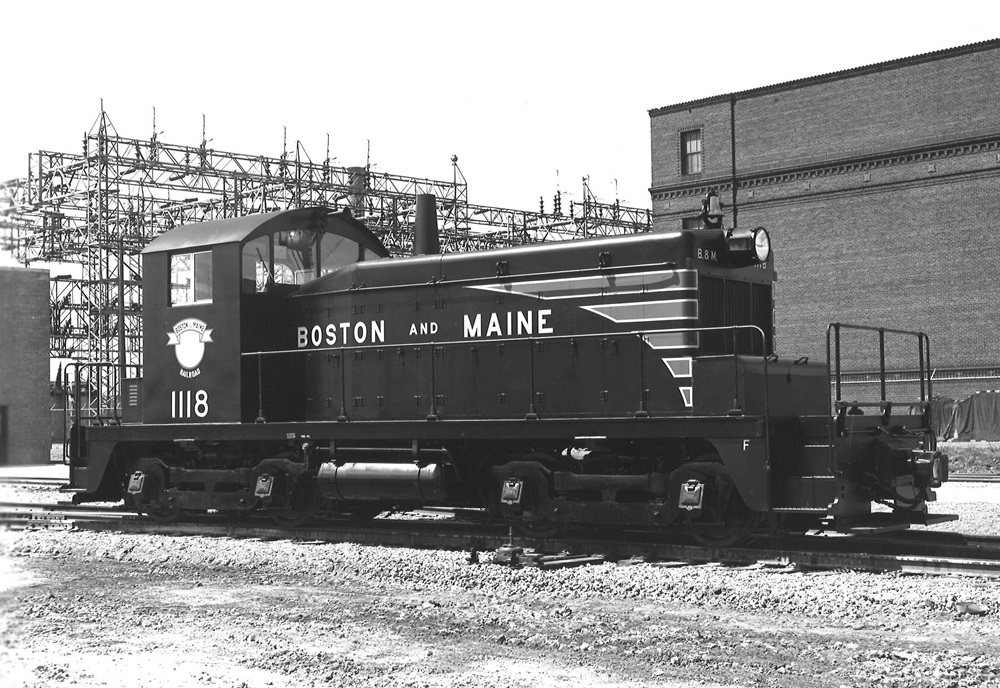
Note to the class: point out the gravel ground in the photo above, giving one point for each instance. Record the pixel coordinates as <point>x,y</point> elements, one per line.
<point>99,609</point>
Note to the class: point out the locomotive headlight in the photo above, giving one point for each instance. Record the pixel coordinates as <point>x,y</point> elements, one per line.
<point>761,244</point>
<point>747,246</point>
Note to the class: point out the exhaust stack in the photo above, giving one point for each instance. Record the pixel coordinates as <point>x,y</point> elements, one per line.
<point>425,228</point>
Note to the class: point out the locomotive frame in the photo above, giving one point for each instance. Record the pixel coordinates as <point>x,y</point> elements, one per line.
<point>621,382</point>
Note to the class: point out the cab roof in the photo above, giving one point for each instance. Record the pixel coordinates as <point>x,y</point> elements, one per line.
<point>243,229</point>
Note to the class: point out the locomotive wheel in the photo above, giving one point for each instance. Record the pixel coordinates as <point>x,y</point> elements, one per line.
<point>302,505</point>
<point>736,517</point>
<point>532,469</point>
<point>738,526</point>
<point>722,539</point>
<point>155,472</point>
<point>291,519</point>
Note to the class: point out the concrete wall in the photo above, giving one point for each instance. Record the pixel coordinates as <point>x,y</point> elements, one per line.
<point>24,365</point>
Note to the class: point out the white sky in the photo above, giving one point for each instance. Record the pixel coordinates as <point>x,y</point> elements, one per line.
<point>518,90</point>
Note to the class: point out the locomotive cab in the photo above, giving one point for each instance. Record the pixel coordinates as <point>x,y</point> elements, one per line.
<point>214,290</point>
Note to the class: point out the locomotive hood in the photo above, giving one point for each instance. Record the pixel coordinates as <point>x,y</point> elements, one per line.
<point>512,261</point>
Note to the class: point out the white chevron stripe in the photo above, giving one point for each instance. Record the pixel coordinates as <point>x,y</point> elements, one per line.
<point>657,281</point>
<point>679,367</point>
<point>672,340</point>
<point>682,367</point>
<point>647,311</point>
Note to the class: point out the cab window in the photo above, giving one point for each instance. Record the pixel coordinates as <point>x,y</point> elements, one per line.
<point>336,251</point>
<point>295,256</point>
<point>190,278</point>
<point>256,268</point>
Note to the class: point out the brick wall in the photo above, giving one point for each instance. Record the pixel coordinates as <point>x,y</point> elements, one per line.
<point>912,258</point>
<point>881,190</point>
<point>924,101</point>
<point>910,105</point>
<point>24,363</point>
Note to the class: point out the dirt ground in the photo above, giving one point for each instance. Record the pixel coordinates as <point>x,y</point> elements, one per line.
<point>152,611</point>
<point>102,609</point>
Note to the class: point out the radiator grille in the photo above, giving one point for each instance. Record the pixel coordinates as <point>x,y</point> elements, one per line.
<point>723,303</point>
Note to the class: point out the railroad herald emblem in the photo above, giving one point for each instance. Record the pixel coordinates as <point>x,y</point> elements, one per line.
<point>188,339</point>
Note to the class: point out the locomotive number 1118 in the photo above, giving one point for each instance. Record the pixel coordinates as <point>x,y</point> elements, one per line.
<point>187,404</point>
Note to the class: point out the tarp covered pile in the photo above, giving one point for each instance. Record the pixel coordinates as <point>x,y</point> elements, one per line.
<point>975,418</point>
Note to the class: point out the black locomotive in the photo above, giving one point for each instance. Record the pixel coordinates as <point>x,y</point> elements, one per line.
<point>293,369</point>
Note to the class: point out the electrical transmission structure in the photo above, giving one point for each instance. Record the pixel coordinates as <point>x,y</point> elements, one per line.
<point>98,209</point>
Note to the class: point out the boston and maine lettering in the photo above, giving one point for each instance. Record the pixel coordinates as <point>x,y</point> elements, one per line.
<point>509,324</point>
<point>474,326</point>
<point>343,334</point>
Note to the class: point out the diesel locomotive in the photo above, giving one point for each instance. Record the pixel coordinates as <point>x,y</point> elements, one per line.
<point>292,368</point>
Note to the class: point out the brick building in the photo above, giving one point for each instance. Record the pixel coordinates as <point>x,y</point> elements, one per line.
<point>25,433</point>
<point>880,187</point>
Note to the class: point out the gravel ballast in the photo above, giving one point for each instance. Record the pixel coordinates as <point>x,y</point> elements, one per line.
<point>87,608</point>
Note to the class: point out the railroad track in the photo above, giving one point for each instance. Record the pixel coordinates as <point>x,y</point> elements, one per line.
<point>31,480</point>
<point>21,515</point>
<point>974,478</point>
<point>56,482</point>
<point>926,552</point>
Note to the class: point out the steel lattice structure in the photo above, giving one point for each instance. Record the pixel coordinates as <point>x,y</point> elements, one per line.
<point>99,208</point>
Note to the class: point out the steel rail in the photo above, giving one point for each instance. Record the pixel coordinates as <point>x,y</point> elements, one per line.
<point>27,480</point>
<point>22,515</point>
<point>911,551</point>
<point>974,477</point>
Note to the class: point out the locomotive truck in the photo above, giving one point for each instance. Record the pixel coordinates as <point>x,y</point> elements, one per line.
<point>292,368</point>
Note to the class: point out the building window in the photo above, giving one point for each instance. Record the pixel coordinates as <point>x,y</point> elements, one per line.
<point>691,222</point>
<point>691,151</point>
<point>191,278</point>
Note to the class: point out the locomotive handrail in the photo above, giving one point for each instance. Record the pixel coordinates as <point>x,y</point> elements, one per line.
<point>78,368</point>
<point>767,384</point>
<point>532,414</point>
<point>834,375</point>
<point>595,270</point>
<point>503,339</point>
<point>78,383</point>
<point>923,343</point>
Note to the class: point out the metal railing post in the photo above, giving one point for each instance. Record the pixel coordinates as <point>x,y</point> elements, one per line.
<point>532,411</point>
<point>260,393</point>
<point>642,412</point>
<point>881,360</point>
<point>433,415</point>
